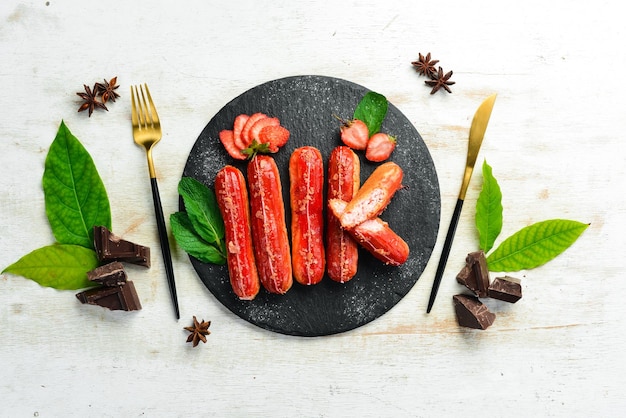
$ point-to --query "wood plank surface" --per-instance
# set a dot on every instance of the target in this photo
(555, 142)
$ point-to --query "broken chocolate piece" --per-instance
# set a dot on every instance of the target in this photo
(467, 278)
(478, 264)
(115, 298)
(110, 247)
(506, 288)
(475, 275)
(472, 313)
(111, 274)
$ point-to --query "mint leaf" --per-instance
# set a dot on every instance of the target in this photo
(372, 110)
(200, 230)
(61, 266)
(202, 210)
(488, 210)
(191, 242)
(535, 245)
(75, 197)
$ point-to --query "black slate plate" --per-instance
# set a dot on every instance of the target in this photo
(305, 105)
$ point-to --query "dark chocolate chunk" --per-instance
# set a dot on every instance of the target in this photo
(467, 278)
(472, 313)
(110, 247)
(111, 274)
(506, 288)
(475, 275)
(115, 298)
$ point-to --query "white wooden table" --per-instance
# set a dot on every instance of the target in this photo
(555, 142)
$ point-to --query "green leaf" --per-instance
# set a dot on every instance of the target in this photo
(202, 210)
(488, 210)
(535, 245)
(372, 110)
(192, 243)
(75, 197)
(61, 266)
(257, 148)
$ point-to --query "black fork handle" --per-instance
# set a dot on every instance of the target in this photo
(165, 244)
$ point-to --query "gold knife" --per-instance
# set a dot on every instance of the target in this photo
(476, 135)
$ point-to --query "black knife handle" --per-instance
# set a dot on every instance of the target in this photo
(445, 253)
(165, 245)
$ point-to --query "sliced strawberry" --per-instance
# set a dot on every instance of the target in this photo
(259, 125)
(379, 147)
(275, 136)
(240, 122)
(246, 139)
(354, 133)
(227, 139)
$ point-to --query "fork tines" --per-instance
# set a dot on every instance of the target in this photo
(141, 114)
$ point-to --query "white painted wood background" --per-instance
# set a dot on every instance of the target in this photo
(555, 142)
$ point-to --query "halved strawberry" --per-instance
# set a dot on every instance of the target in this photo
(246, 138)
(354, 133)
(379, 147)
(259, 125)
(275, 136)
(228, 141)
(240, 122)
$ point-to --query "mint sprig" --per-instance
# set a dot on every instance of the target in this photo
(202, 209)
(199, 231)
(372, 110)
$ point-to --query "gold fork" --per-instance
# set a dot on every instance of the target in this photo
(147, 133)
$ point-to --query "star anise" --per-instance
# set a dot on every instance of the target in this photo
(198, 331)
(425, 66)
(107, 90)
(91, 101)
(440, 80)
